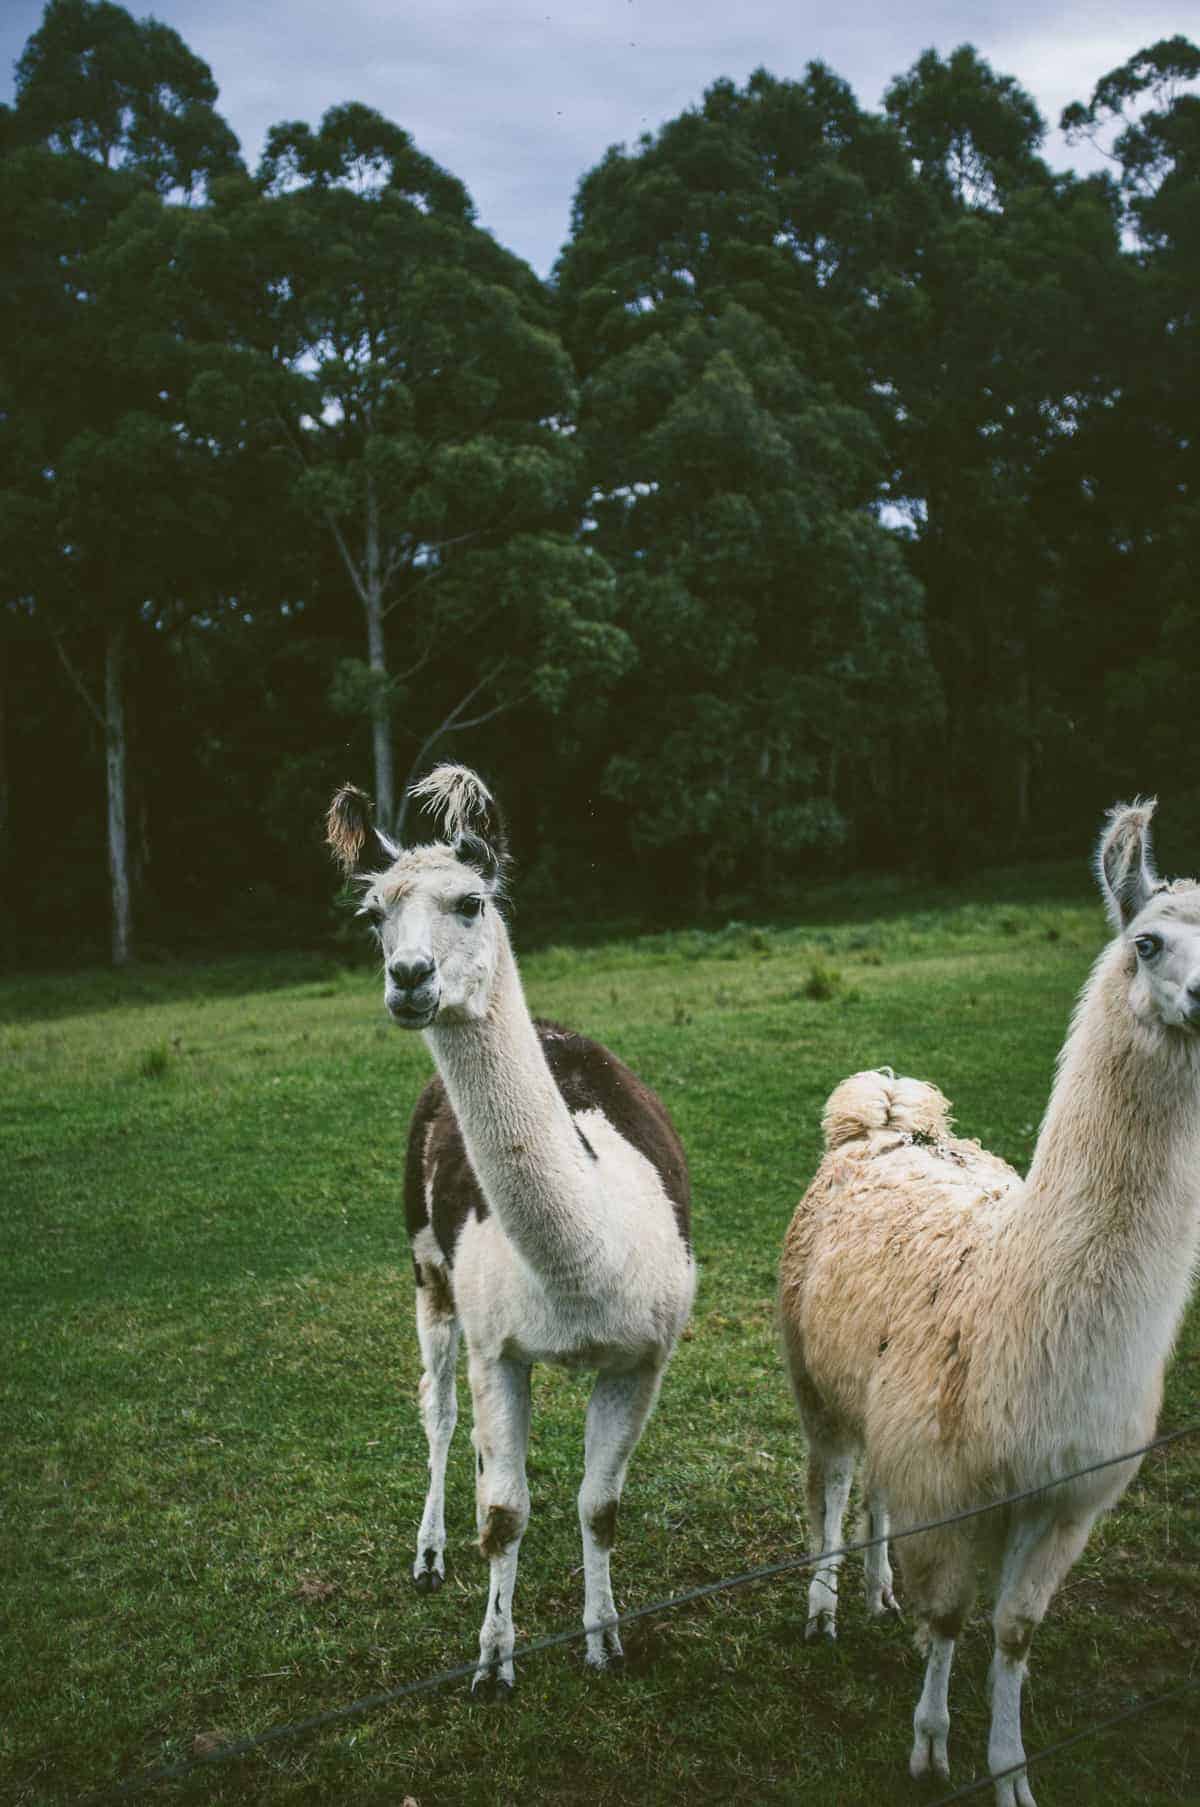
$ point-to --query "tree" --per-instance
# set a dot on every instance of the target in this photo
(1157, 149)
(992, 340)
(126, 93)
(425, 403)
(784, 198)
(108, 502)
(1138, 453)
(713, 290)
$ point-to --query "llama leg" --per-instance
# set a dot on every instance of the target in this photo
(616, 1416)
(931, 1721)
(500, 1392)
(939, 1575)
(830, 1472)
(877, 1568)
(437, 1332)
(1039, 1554)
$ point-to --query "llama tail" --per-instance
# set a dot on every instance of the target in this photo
(867, 1102)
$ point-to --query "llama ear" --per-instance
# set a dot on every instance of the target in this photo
(352, 834)
(468, 817)
(1124, 861)
(473, 850)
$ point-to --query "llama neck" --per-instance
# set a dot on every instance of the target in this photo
(536, 1173)
(1109, 1224)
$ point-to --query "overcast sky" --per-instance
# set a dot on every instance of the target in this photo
(518, 98)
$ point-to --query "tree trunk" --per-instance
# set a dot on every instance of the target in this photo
(114, 762)
(7, 863)
(381, 726)
(1024, 772)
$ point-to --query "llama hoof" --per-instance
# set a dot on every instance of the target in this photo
(821, 1629)
(886, 1607)
(603, 1654)
(490, 1689)
(929, 1761)
(427, 1580)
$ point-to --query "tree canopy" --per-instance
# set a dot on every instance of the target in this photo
(425, 418)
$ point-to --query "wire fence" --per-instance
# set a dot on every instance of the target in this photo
(372, 1703)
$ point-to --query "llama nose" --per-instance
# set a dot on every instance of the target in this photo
(410, 975)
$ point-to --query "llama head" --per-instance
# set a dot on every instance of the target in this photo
(432, 904)
(1158, 921)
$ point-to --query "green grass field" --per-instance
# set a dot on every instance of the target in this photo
(213, 1468)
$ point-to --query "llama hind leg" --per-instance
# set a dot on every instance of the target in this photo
(939, 1570)
(437, 1332)
(616, 1416)
(931, 1720)
(500, 1393)
(830, 1473)
(1039, 1553)
(876, 1566)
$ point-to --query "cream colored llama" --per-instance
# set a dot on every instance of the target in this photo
(974, 1335)
(546, 1195)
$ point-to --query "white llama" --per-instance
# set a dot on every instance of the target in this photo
(546, 1194)
(977, 1335)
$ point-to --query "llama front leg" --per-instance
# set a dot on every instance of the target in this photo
(437, 1332)
(616, 1416)
(500, 1392)
(1039, 1554)
(830, 1472)
(876, 1566)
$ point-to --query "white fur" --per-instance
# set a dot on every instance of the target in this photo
(977, 1335)
(638, 1294)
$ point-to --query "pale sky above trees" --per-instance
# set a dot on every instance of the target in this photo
(518, 98)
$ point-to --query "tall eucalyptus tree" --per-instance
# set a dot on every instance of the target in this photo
(717, 291)
(427, 415)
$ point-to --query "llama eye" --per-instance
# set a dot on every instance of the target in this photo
(1148, 945)
(469, 906)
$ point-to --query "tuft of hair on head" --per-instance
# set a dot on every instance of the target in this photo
(458, 796)
(467, 815)
(1125, 860)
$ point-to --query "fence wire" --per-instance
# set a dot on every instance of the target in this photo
(372, 1703)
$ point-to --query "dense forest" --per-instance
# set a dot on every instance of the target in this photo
(833, 507)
